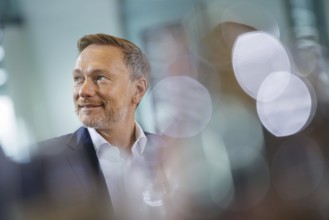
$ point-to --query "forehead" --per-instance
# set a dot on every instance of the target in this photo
(101, 56)
(101, 51)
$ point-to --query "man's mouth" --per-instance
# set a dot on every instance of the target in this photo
(90, 106)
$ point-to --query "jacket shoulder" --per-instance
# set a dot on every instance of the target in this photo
(54, 145)
(61, 143)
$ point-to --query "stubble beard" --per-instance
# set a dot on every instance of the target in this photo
(108, 120)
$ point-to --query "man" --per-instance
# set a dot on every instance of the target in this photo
(110, 79)
(87, 167)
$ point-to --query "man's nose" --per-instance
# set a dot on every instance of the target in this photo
(87, 89)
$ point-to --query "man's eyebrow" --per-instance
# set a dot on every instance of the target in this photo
(93, 72)
(102, 72)
(75, 71)
(98, 71)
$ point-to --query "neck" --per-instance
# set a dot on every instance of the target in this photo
(121, 135)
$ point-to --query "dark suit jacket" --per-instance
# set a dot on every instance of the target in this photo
(66, 181)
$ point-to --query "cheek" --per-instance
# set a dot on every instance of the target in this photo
(75, 90)
(75, 95)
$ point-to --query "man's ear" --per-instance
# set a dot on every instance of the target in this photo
(140, 89)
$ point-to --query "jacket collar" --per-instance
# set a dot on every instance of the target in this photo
(81, 142)
(80, 139)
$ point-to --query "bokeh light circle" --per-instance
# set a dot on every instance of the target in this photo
(256, 55)
(273, 86)
(184, 106)
(289, 111)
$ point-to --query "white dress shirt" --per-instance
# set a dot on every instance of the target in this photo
(114, 163)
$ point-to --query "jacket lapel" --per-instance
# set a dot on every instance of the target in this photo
(82, 144)
(84, 163)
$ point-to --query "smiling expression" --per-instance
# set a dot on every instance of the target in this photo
(103, 89)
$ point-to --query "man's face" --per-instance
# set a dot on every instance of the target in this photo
(103, 90)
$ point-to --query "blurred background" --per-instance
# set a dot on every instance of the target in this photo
(38, 46)
(246, 101)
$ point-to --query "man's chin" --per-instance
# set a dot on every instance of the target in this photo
(97, 124)
(88, 122)
(92, 125)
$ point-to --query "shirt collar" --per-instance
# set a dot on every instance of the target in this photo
(140, 143)
(97, 139)
(137, 148)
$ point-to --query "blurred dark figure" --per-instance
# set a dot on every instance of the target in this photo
(9, 186)
(64, 185)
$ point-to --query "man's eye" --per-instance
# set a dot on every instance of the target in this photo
(100, 78)
(77, 79)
